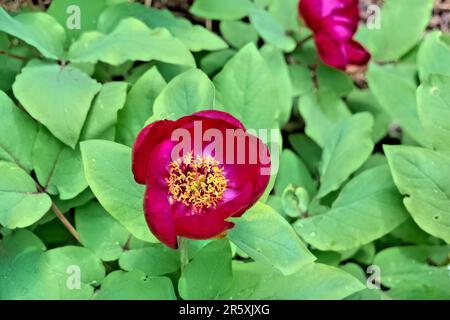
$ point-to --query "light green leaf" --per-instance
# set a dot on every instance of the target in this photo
(130, 40)
(333, 79)
(246, 90)
(209, 272)
(135, 285)
(301, 79)
(434, 55)
(238, 33)
(285, 12)
(139, 106)
(322, 111)
(433, 106)
(214, 61)
(88, 15)
(155, 260)
(60, 100)
(267, 237)
(364, 100)
(107, 166)
(21, 204)
(195, 37)
(27, 27)
(347, 147)
(293, 171)
(100, 232)
(17, 133)
(398, 98)
(405, 30)
(271, 30)
(280, 76)
(187, 93)
(29, 272)
(367, 208)
(421, 175)
(102, 118)
(421, 266)
(253, 281)
(221, 9)
(59, 169)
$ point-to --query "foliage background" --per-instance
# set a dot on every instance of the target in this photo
(363, 188)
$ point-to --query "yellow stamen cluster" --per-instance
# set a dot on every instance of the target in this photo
(199, 181)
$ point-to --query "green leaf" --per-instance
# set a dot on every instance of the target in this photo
(398, 98)
(347, 147)
(364, 100)
(209, 272)
(267, 237)
(155, 260)
(293, 171)
(17, 133)
(405, 30)
(421, 266)
(221, 9)
(238, 33)
(22, 205)
(246, 90)
(280, 75)
(410, 232)
(29, 272)
(253, 281)
(26, 27)
(100, 232)
(334, 80)
(434, 55)
(270, 30)
(195, 37)
(421, 176)
(307, 150)
(102, 118)
(301, 79)
(135, 285)
(9, 67)
(139, 106)
(130, 40)
(433, 106)
(60, 100)
(285, 12)
(187, 93)
(367, 208)
(107, 166)
(89, 12)
(214, 61)
(322, 111)
(60, 168)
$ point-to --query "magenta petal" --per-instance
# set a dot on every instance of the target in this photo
(158, 214)
(220, 115)
(357, 54)
(331, 51)
(144, 145)
(201, 226)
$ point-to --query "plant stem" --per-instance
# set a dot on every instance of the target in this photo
(12, 55)
(61, 217)
(184, 254)
(306, 39)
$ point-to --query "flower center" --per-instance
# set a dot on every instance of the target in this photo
(199, 181)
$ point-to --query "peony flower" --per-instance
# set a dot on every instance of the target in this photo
(199, 171)
(334, 23)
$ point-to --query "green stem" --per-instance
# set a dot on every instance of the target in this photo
(184, 255)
